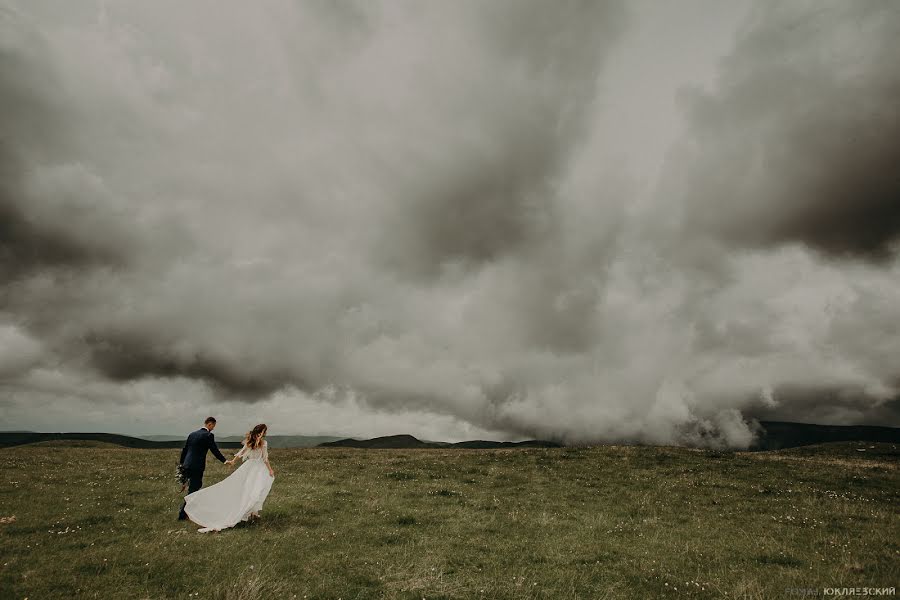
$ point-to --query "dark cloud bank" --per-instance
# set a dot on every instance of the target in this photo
(416, 206)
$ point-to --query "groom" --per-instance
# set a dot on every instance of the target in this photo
(193, 457)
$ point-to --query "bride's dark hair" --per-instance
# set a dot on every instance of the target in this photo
(253, 439)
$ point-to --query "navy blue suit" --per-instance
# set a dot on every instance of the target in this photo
(193, 459)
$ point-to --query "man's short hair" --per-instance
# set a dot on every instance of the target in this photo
(209, 420)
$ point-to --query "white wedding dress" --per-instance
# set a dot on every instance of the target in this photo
(233, 499)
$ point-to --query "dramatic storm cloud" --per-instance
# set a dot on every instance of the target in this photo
(585, 221)
(801, 140)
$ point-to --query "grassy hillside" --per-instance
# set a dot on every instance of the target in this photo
(604, 522)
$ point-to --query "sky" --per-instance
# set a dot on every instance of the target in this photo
(580, 221)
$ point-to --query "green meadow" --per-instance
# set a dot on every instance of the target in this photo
(98, 521)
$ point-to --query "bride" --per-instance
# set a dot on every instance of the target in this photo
(239, 496)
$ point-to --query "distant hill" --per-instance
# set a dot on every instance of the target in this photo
(275, 441)
(389, 441)
(290, 441)
(77, 444)
(408, 441)
(776, 435)
(783, 434)
(492, 444)
(162, 438)
(8, 438)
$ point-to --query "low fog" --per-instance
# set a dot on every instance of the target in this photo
(578, 221)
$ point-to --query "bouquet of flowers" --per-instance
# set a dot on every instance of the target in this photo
(181, 476)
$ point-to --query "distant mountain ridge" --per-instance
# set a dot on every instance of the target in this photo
(408, 441)
(275, 441)
(783, 434)
(8, 438)
(775, 435)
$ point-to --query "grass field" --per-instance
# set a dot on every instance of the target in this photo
(95, 521)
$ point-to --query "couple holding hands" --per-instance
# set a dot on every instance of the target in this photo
(238, 497)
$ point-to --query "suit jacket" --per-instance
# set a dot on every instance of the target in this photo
(193, 455)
